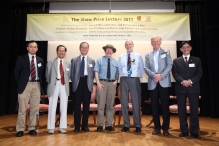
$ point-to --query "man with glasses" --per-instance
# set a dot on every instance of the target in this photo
(57, 76)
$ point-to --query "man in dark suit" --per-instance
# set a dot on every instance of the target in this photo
(82, 76)
(28, 70)
(187, 72)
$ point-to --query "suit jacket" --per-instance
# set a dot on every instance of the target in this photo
(22, 72)
(181, 72)
(51, 75)
(164, 68)
(75, 72)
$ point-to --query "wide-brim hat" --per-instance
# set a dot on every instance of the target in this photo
(109, 46)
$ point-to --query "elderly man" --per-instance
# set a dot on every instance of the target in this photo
(106, 75)
(187, 72)
(131, 68)
(82, 76)
(158, 65)
(28, 70)
(57, 76)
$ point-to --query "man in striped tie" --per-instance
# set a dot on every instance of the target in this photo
(28, 70)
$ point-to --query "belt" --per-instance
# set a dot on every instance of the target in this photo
(34, 80)
(58, 79)
(107, 80)
(128, 77)
(84, 76)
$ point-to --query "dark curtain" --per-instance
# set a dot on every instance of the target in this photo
(18, 47)
(206, 51)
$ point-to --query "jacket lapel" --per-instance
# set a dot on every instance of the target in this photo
(55, 64)
(182, 61)
(28, 61)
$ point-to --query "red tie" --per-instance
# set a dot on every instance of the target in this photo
(186, 60)
(32, 69)
(61, 73)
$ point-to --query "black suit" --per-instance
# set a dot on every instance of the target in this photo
(22, 71)
(28, 91)
(192, 71)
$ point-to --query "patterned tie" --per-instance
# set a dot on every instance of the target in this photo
(186, 60)
(82, 68)
(108, 69)
(129, 69)
(129, 61)
(61, 73)
(32, 69)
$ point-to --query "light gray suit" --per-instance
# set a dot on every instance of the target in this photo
(56, 89)
(164, 68)
(159, 91)
(51, 75)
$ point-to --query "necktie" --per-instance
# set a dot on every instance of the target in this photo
(32, 69)
(186, 60)
(82, 68)
(129, 61)
(108, 69)
(129, 70)
(61, 73)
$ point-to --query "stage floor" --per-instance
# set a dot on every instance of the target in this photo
(209, 131)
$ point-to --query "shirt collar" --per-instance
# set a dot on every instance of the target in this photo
(156, 51)
(186, 56)
(84, 57)
(30, 56)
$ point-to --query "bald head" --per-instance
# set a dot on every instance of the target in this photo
(129, 46)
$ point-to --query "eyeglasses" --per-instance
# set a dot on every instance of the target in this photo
(187, 47)
(61, 51)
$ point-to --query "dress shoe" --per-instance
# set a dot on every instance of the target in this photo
(62, 130)
(51, 131)
(76, 130)
(166, 133)
(195, 135)
(138, 130)
(110, 128)
(32, 132)
(19, 133)
(85, 129)
(124, 129)
(183, 134)
(156, 131)
(100, 128)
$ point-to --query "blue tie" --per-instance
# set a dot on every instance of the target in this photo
(82, 68)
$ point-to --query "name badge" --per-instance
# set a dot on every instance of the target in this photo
(39, 65)
(163, 56)
(192, 65)
(90, 65)
(67, 69)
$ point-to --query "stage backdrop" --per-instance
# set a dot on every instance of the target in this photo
(140, 26)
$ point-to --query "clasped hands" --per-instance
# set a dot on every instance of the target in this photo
(157, 77)
(186, 83)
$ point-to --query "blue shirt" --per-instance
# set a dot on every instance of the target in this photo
(156, 55)
(101, 68)
(137, 65)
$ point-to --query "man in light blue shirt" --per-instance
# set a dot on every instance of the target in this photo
(131, 68)
(106, 75)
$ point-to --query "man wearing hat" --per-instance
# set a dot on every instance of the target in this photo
(106, 75)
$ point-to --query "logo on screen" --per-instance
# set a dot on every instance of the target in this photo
(139, 18)
(148, 19)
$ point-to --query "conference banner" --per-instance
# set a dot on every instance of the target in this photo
(135, 26)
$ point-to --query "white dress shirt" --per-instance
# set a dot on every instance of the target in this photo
(85, 64)
(187, 57)
(58, 69)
